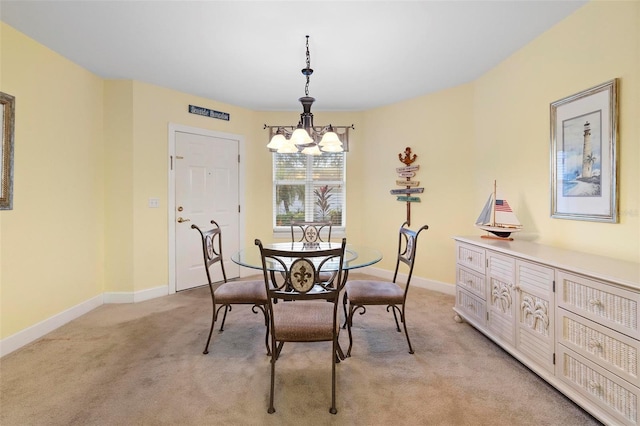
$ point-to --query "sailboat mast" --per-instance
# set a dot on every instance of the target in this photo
(493, 206)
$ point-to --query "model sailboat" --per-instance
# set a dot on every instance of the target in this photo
(498, 218)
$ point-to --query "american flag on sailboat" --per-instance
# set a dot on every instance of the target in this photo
(502, 206)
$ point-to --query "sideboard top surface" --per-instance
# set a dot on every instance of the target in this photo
(601, 267)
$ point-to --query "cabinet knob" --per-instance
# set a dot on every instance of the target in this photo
(593, 343)
(594, 385)
(595, 302)
(470, 259)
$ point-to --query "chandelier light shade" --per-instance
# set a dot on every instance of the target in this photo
(277, 141)
(288, 148)
(330, 138)
(305, 137)
(313, 150)
(301, 137)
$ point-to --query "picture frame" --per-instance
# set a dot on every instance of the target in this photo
(584, 162)
(7, 123)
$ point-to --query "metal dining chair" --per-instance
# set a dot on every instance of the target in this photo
(307, 308)
(361, 293)
(229, 293)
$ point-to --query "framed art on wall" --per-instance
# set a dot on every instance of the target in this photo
(583, 155)
(7, 109)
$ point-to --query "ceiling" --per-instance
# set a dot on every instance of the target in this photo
(365, 54)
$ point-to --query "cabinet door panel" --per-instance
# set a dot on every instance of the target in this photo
(535, 307)
(500, 300)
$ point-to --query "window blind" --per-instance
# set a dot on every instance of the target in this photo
(307, 187)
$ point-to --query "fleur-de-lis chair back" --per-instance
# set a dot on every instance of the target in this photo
(303, 307)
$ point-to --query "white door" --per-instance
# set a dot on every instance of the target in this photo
(207, 187)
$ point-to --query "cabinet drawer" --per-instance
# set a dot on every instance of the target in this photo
(612, 350)
(471, 307)
(470, 257)
(471, 281)
(614, 395)
(610, 306)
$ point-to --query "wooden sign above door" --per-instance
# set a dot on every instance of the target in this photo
(209, 112)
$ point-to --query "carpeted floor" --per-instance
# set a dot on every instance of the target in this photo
(142, 364)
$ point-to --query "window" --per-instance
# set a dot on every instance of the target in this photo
(307, 187)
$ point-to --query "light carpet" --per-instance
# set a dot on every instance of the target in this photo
(142, 364)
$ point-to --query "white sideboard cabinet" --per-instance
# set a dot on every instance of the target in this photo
(571, 317)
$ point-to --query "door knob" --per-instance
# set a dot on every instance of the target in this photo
(180, 220)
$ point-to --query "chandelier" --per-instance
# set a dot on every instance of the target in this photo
(305, 137)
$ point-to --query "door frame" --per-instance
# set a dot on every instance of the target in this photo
(171, 194)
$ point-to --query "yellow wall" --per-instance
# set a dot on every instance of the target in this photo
(52, 240)
(90, 153)
(512, 142)
(497, 127)
(437, 130)
(118, 163)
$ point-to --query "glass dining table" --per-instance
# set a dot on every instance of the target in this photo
(355, 256)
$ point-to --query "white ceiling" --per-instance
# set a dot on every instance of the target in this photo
(364, 54)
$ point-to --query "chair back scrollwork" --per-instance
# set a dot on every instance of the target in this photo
(311, 232)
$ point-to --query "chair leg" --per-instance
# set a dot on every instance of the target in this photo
(274, 357)
(395, 317)
(226, 309)
(278, 349)
(214, 315)
(352, 310)
(333, 409)
(275, 353)
(406, 333)
(265, 312)
(213, 320)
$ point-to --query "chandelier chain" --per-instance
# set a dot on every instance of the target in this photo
(307, 71)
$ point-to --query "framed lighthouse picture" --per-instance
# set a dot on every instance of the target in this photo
(583, 155)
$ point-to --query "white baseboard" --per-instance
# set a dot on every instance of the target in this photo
(434, 285)
(38, 330)
(134, 297)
